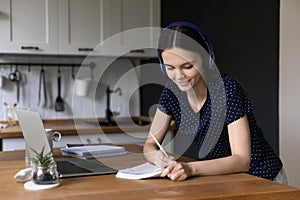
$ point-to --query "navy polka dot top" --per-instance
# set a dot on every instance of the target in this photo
(204, 134)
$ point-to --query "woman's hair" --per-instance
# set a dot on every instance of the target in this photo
(183, 35)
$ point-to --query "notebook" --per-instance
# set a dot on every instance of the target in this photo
(34, 134)
(93, 151)
(146, 170)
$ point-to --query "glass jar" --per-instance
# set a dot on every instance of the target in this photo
(10, 115)
(44, 175)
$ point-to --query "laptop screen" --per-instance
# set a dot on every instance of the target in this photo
(33, 131)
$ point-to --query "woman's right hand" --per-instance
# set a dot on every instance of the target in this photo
(160, 160)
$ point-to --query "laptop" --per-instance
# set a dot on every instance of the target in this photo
(34, 134)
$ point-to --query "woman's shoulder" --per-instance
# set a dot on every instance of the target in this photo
(230, 83)
(229, 80)
(233, 87)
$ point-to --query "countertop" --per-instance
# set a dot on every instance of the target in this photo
(69, 127)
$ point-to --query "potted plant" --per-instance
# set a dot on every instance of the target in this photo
(44, 169)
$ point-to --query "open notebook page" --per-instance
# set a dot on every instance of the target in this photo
(142, 171)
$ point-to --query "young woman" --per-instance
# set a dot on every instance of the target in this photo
(214, 118)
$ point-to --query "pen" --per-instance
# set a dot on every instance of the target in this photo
(160, 147)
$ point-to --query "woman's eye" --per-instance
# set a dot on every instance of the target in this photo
(188, 67)
(169, 68)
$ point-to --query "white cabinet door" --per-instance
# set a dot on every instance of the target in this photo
(28, 26)
(140, 13)
(82, 25)
(127, 16)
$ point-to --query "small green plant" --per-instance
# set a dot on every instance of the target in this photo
(41, 159)
(44, 169)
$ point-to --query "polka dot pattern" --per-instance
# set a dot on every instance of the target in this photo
(194, 128)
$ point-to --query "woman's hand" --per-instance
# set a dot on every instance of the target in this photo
(160, 160)
(177, 171)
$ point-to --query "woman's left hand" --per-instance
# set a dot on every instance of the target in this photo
(177, 171)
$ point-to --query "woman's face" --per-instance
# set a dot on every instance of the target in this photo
(183, 67)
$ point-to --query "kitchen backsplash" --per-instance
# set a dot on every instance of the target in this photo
(120, 73)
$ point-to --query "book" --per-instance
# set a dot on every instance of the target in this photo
(93, 151)
(146, 170)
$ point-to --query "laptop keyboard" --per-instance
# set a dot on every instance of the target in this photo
(65, 167)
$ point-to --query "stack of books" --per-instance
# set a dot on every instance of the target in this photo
(93, 151)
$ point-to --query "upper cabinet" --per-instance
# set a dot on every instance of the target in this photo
(74, 27)
(28, 26)
(82, 25)
(130, 17)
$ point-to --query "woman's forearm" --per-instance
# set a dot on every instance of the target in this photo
(150, 150)
(226, 165)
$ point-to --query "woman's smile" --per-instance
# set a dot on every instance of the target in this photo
(185, 83)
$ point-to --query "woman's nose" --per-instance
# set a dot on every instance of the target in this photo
(179, 74)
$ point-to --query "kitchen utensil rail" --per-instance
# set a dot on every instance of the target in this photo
(49, 64)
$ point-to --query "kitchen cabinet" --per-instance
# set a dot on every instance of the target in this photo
(80, 32)
(84, 131)
(75, 27)
(130, 15)
(28, 26)
(11, 144)
(82, 25)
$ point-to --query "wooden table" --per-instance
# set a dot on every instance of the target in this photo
(234, 186)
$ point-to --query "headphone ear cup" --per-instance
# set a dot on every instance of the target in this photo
(163, 68)
(208, 62)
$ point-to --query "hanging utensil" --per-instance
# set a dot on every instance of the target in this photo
(73, 72)
(1, 78)
(18, 78)
(59, 103)
(12, 75)
(42, 84)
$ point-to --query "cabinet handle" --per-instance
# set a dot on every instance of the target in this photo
(88, 141)
(30, 48)
(137, 51)
(85, 49)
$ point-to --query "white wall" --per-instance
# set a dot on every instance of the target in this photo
(30, 81)
(289, 89)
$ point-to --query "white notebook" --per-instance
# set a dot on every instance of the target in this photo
(93, 151)
(142, 171)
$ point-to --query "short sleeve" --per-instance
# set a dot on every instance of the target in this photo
(164, 101)
(169, 99)
(238, 104)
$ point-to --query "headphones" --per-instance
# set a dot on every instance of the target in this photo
(208, 62)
